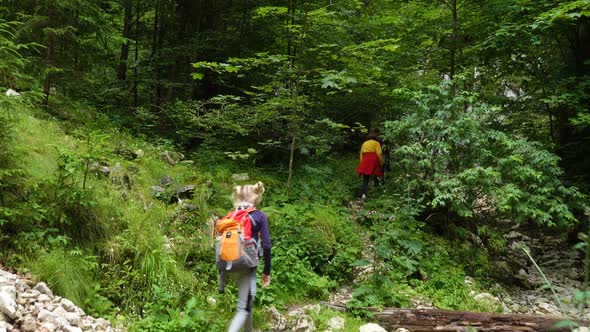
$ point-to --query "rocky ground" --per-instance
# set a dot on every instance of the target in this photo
(26, 306)
(561, 264)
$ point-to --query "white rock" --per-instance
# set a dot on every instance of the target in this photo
(102, 324)
(581, 329)
(74, 319)
(68, 305)
(486, 297)
(278, 321)
(372, 327)
(336, 323)
(3, 326)
(49, 317)
(12, 93)
(8, 304)
(30, 294)
(240, 177)
(47, 327)
(61, 313)
(28, 324)
(315, 308)
(548, 309)
(43, 289)
(304, 323)
(72, 329)
(43, 298)
(401, 329)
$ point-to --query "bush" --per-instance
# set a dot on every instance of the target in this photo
(451, 153)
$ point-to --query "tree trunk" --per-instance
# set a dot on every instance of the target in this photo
(430, 320)
(291, 158)
(122, 71)
(455, 37)
(47, 82)
(155, 56)
(135, 69)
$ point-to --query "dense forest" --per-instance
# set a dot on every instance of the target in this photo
(124, 125)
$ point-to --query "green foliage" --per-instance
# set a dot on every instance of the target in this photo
(167, 315)
(448, 150)
(72, 274)
(312, 248)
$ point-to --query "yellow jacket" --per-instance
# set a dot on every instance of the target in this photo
(372, 146)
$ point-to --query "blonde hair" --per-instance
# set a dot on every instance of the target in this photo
(250, 194)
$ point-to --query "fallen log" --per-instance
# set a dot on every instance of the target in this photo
(429, 320)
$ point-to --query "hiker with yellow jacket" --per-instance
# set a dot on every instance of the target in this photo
(371, 160)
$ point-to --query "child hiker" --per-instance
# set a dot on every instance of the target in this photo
(253, 225)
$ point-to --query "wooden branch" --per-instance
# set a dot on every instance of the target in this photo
(430, 320)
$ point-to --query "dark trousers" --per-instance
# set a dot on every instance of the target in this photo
(365, 184)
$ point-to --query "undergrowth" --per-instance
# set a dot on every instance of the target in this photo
(100, 216)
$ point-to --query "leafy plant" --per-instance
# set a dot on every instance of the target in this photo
(448, 149)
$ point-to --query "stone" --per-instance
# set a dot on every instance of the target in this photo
(72, 329)
(126, 153)
(372, 327)
(486, 297)
(30, 294)
(3, 327)
(73, 318)
(28, 324)
(157, 190)
(166, 156)
(166, 180)
(184, 192)
(102, 324)
(581, 329)
(304, 323)
(278, 321)
(401, 329)
(240, 177)
(8, 304)
(47, 327)
(43, 289)
(336, 323)
(513, 235)
(548, 309)
(52, 318)
(68, 305)
(11, 93)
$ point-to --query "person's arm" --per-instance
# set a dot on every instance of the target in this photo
(379, 152)
(266, 249)
(361, 155)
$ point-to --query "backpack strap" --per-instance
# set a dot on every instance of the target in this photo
(254, 223)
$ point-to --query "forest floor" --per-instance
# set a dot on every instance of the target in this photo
(526, 290)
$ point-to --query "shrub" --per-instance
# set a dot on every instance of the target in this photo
(447, 148)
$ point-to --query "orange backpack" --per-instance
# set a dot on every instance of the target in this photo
(235, 248)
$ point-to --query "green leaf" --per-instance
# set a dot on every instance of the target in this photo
(361, 262)
(565, 323)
